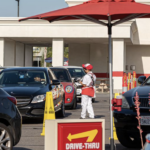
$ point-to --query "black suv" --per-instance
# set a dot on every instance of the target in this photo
(10, 121)
(126, 122)
(29, 86)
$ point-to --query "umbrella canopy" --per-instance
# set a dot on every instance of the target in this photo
(49, 59)
(98, 11)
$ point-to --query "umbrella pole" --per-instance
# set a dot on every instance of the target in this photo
(110, 82)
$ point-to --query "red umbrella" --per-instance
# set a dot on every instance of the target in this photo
(96, 10)
(114, 11)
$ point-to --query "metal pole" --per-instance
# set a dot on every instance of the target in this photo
(18, 6)
(45, 54)
(110, 82)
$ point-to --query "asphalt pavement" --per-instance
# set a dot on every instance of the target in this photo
(31, 129)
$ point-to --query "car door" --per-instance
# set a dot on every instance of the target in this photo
(73, 82)
(57, 91)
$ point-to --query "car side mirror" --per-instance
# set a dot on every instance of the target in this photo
(55, 82)
(73, 80)
(78, 79)
(141, 79)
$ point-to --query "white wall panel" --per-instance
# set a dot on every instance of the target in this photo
(99, 57)
(28, 55)
(2, 45)
(57, 52)
(79, 54)
(9, 58)
(20, 54)
(140, 57)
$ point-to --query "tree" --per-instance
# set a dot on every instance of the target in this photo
(49, 54)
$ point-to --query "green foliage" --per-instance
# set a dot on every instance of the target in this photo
(66, 52)
(49, 54)
(42, 61)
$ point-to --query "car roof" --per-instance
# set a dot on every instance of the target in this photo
(66, 67)
(25, 68)
(58, 68)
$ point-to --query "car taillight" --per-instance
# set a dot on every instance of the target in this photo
(13, 100)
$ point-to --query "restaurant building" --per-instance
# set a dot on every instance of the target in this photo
(87, 42)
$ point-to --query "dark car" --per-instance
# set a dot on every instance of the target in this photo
(64, 77)
(10, 121)
(29, 86)
(126, 122)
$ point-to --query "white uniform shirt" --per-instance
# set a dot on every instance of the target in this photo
(87, 80)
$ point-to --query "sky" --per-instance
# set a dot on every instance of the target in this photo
(8, 8)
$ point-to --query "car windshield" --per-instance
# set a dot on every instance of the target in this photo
(62, 75)
(147, 82)
(22, 78)
(76, 72)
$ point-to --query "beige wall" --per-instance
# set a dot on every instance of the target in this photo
(20, 54)
(99, 57)
(9, 57)
(79, 54)
(96, 54)
(2, 46)
(57, 52)
(140, 57)
(28, 55)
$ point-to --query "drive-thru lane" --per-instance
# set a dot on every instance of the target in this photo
(31, 129)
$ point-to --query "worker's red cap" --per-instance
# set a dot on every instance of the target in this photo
(87, 66)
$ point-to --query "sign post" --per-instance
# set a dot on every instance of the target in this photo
(75, 134)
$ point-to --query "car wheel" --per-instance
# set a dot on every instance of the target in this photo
(93, 100)
(127, 139)
(6, 140)
(74, 106)
(61, 113)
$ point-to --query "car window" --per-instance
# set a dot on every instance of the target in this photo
(49, 75)
(52, 74)
(147, 82)
(23, 78)
(62, 75)
(76, 72)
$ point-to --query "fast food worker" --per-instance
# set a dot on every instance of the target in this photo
(88, 91)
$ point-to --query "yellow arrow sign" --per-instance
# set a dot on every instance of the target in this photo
(90, 134)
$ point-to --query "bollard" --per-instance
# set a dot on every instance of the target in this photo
(147, 143)
(118, 109)
(134, 79)
(129, 81)
(124, 83)
(117, 102)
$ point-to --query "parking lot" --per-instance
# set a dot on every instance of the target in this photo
(31, 129)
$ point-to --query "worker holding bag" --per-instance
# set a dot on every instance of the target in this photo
(87, 91)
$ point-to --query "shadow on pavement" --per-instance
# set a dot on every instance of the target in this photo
(95, 102)
(32, 121)
(99, 116)
(107, 147)
(66, 115)
(119, 147)
(20, 148)
(105, 101)
(78, 107)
